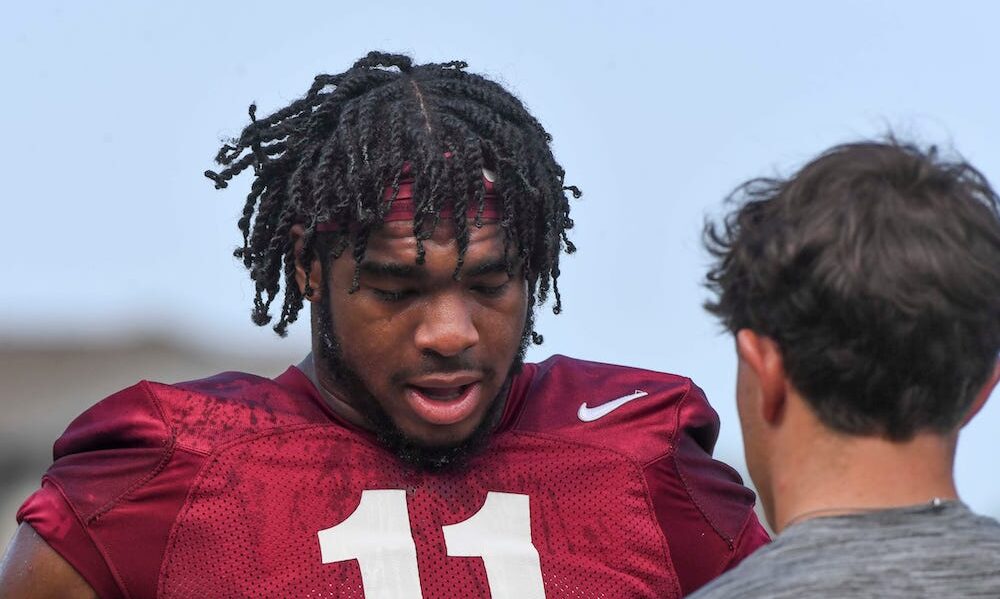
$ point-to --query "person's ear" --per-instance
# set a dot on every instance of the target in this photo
(983, 395)
(762, 355)
(313, 276)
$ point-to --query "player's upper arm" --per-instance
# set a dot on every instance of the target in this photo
(33, 570)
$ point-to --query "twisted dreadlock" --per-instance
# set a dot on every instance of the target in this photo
(328, 157)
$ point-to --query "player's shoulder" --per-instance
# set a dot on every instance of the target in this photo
(216, 410)
(559, 376)
(638, 411)
(196, 415)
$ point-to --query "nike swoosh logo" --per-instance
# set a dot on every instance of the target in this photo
(588, 414)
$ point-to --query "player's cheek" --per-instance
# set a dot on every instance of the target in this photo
(501, 326)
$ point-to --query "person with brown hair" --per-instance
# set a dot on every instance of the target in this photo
(864, 297)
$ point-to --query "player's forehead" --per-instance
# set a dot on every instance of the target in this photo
(396, 241)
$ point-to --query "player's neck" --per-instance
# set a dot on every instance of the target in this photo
(841, 474)
(327, 389)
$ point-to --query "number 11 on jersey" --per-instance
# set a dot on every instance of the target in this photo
(378, 535)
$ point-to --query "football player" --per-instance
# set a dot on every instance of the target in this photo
(419, 211)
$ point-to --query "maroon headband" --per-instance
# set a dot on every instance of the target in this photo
(403, 207)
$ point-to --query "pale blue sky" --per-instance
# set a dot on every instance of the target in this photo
(112, 110)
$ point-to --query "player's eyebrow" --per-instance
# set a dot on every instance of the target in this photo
(393, 269)
(488, 267)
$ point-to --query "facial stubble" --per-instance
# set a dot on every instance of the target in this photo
(423, 456)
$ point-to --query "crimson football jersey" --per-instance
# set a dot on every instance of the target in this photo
(598, 482)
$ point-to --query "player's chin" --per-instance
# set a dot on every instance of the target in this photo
(443, 437)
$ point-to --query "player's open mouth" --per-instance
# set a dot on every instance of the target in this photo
(442, 393)
(441, 403)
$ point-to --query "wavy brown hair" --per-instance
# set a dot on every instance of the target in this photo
(876, 269)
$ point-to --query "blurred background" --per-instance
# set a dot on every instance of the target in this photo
(118, 252)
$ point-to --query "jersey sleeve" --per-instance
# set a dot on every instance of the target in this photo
(701, 503)
(115, 468)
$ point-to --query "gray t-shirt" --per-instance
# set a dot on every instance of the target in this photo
(920, 551)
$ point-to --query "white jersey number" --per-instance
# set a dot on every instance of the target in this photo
(378, 535)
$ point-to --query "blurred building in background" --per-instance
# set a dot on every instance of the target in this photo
(44, 387)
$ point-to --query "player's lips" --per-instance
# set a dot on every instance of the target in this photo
(444, 399)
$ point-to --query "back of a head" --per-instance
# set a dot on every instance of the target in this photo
(876, 269)
(325, 160)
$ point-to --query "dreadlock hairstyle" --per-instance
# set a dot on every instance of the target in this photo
(329, 157)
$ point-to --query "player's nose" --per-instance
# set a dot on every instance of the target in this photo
(447, 327)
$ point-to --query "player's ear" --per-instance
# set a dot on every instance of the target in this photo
(983, 395)
(762, 355)
(314, 274)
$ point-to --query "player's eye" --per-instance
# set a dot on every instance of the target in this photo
(491, 290)
(392, 295)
